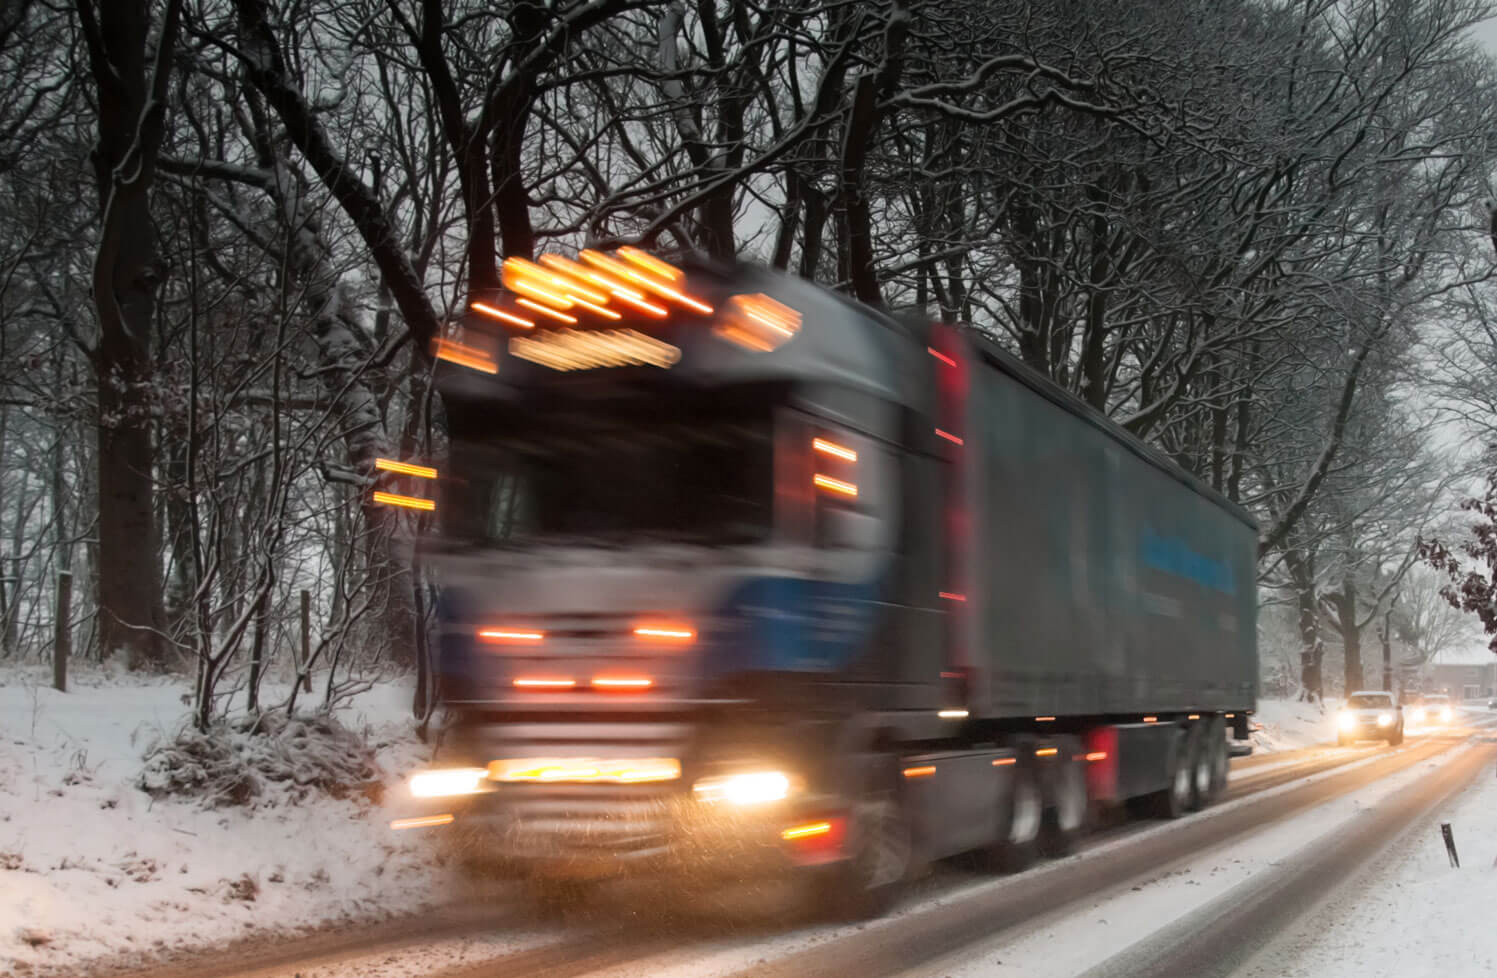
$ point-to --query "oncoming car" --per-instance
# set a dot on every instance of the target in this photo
(1436, 708)
(1369, 715)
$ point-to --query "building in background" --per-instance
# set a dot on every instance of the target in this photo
(1466, 681)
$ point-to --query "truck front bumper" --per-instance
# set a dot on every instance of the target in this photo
(592, 832)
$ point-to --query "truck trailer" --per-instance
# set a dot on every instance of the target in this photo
(738, 575)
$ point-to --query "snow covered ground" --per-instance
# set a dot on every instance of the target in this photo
(1292, 725)
(1412, 914)
(91, 866)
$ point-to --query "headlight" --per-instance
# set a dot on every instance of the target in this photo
(452, 781)
(1385, 719)
(1446, 714)
(751, 788)
(1346, 721)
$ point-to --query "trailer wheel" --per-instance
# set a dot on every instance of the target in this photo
(1216, 742)
(1065, 802)
(1174, 801)
(881, 838)
(1019, 823)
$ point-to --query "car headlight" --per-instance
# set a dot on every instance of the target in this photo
(449, 781)
(1446, 714)
(1346, 721)
(748, 788)
(1385, 719)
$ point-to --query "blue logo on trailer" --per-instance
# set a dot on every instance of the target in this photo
(1173, 556)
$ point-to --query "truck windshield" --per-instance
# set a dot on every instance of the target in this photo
(612, 479)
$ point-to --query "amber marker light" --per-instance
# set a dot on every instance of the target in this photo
(809, 830)
(544, 682)
(833, 449)
(464, 356)
(622, 682)
(560, 317)
(837, 486)
(1097, 755)
(920, 771)
(421, 822)
(494, 312)
(1005, 761)
(405, 468)
(650, 263)
(405, 502)
(662, 631)
(523, 636)
(1047, 752)
(949, 437)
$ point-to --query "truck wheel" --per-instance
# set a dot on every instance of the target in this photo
(881, 840)
(1174, 801)
(1216, 740)
(1198, 756)
(1019, 824)
(1065, 801)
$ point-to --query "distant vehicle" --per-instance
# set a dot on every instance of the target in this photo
(1437, 709)
(1492, 704)
(1370, 715)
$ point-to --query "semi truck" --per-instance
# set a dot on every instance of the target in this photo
(738, 575)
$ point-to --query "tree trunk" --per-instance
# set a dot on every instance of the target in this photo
(1351, 635)
(127, 273)
(1312, 649)
(1385, 634)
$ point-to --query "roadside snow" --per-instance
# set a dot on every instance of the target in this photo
(1412, 915)
(1081, 937)
(90, 866)
(1292, 725)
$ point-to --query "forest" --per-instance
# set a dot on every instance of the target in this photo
(1257, 233)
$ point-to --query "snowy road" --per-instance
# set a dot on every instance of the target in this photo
(1195, 897)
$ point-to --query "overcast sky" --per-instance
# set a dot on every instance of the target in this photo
(1486, 32)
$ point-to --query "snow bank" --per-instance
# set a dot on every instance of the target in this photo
(1292, 725)
(1414, 915)
(92, 866)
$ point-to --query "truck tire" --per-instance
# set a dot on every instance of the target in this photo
(1020, 822)
(1065, 800)
(1198, 756)
(1216, 741)
(1173, 801)
(881, 840)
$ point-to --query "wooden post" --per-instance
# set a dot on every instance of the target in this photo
(306, 639)
(62, 647)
